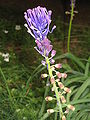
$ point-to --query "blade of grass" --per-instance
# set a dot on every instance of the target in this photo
(87, 67)
(72, 57)
(81, 89)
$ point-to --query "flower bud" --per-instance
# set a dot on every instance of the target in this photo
(52, 80)
(48, 84)
(63, 99)
(63, 117)
(67, 12)
(53, 53)
(48, 98)
(67, 90)
(58, 65)
(43, 62)
(57, 80)
(67, 111)
(71, 107)
(60, 85)
(44, 75)
(64, 75)
(50, 111)
(53, 89)
(59, 74)
(52, 61)
(53, 68)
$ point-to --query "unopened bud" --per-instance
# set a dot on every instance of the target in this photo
(53, 89)
(43, 62)
(67, 12)
(59, 74)
(44, 75)
(57, 80)
(53, 53)
(50, 111)
(52, 80)
(60, 85)
(71, 107)
(48, 98)
(52, 61)
(67, 90)
(75, 11)
(63, 99)
(53, 68)
(63, 117)
(48, 84)
(67, 111)
(58, 66)
(64, 75)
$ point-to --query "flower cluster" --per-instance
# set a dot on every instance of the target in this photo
(38, 21)
(62, 90)
(5, 56)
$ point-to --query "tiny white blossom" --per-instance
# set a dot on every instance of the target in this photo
(5, 31)
(6, 57)
(17, 27)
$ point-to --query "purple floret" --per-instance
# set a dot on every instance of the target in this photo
(44, 47)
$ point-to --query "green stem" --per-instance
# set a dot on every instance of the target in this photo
(70, 26)
(56, 114)
(55, 87)
(5, 81)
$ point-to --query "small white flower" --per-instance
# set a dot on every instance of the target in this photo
(5, 31)
(6, 57)
(17, 27)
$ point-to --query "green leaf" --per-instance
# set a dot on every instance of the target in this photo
(73, 80)
(72, 57)
(82, 88)
(87, 67)
(80, 101)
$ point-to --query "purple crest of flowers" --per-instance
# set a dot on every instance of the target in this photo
(38, 21)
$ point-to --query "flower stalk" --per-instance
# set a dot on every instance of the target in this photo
(70, 26)
(55, 87)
